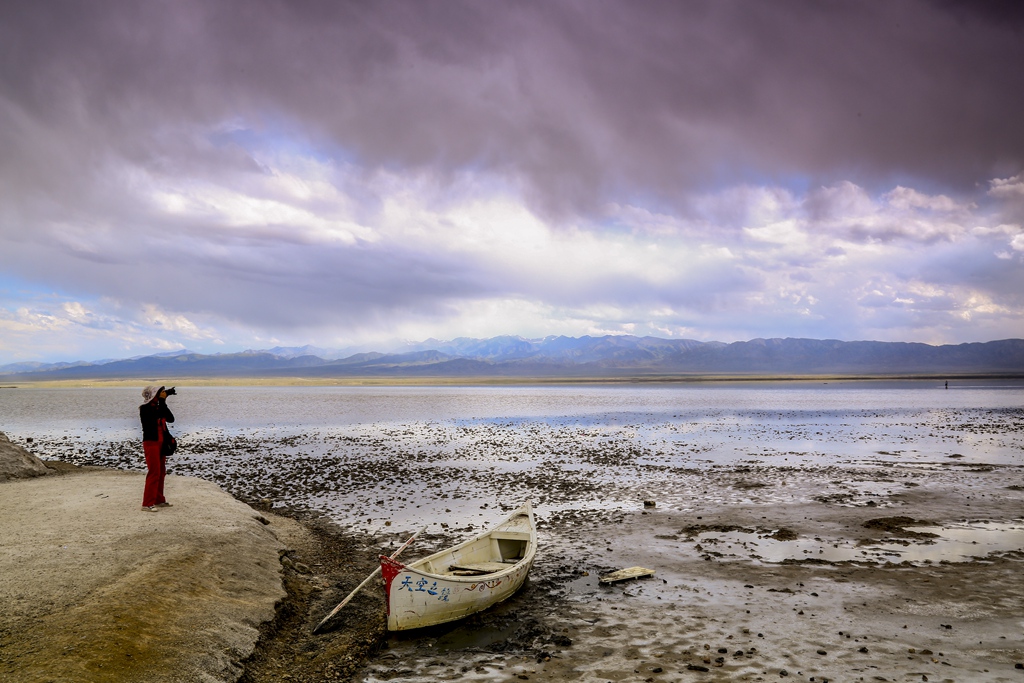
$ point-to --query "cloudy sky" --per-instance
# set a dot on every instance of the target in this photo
(231, 175)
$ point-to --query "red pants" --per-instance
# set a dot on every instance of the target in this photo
(156, 470)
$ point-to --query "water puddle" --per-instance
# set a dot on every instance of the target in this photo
(954, 543)
(476, 637)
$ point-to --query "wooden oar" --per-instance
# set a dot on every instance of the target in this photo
(367, 580)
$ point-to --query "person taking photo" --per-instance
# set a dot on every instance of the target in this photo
(155, 415)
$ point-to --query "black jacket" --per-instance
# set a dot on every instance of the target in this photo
(149, 413)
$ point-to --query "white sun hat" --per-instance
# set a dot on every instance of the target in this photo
(149, 393)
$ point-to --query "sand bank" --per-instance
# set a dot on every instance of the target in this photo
(96, 590)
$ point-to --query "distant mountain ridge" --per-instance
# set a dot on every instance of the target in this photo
(558, 356)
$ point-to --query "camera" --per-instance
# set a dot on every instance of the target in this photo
(170, 392)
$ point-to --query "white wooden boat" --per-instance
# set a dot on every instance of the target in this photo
(461, 580)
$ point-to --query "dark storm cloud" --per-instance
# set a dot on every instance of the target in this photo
(581, 100)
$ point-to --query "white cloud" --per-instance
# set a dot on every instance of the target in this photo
(228, 209)
(154, 317)
(306, 249)
(905, 198)
(1004, 188)
(788, 233)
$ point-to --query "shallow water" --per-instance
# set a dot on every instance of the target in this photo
(953, 543)
(370, 455)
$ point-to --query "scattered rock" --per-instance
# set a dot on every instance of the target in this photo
(626, 574)
(18, 463)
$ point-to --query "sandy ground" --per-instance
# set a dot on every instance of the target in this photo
(93, 589)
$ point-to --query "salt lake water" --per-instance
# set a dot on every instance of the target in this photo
(722, 420)
(407, 451)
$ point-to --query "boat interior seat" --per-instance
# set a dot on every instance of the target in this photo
(509, 549)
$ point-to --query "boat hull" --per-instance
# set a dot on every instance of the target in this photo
(427, 592)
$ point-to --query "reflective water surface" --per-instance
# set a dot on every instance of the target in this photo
(781, 418)
(370, 455)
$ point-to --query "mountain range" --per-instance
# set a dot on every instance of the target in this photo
(612, 356)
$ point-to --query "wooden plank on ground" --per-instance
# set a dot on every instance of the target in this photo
(626, 574)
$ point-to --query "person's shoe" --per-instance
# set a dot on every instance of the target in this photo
(164, 504)
(149, 508)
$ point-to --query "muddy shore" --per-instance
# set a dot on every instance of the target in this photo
(716, 609)
(805, 545)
